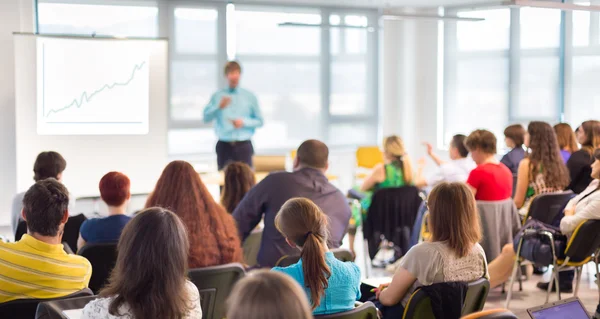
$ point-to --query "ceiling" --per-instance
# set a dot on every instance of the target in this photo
(372, 3)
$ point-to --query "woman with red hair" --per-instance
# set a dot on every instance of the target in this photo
(115, 192)
(212, 231)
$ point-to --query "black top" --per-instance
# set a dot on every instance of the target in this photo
(580, 170)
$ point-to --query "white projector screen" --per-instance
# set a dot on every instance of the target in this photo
(92, 150)
(92, 87)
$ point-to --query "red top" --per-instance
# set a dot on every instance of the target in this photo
(492, 181)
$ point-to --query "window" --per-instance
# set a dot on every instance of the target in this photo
(103, 20)
(540, 28)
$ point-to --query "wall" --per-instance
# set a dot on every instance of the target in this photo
(16, 16)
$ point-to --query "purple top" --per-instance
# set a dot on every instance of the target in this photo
(565, 155)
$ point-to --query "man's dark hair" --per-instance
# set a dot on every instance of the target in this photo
(458, 141)
(516, 133)
(483, 140)
(44, 206)
(313, 153)
(232, 66)
(48, 165)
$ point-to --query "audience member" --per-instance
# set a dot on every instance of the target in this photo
(582, 207)
(542, 170)
(47, 165)
(333, 285)
(267, 295)
(396, 171)
(514, 136)
(150, 277)
(37, 266)
(566, 140)
(588, 135)
(453, 253)
(212, 233)
(115, 192)
(490, 180)
(239, 179)
(455, 170)
(307, 180)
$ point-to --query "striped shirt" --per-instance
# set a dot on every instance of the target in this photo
(31, 268)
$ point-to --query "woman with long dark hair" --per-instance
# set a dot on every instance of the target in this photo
(542, 170)
(588, 135)
(212, 232)
(239, 179)
(149, 278)
(304, 225)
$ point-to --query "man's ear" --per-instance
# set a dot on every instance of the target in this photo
(296, 162)
(65, 217)
(291, 243)
(327, 166)
(23, 214)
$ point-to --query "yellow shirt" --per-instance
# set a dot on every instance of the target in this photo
(30, 268)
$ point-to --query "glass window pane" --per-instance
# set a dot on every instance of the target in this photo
(540, 28)
(538, 94)
(191, 141)
(290, 100)
(196, 30)
(263, 33)
(585, 96)
(581, 28)
(86, 19)
(348, 88)
(491, 34)
(474, 99)
(192, 84)
(351, 134)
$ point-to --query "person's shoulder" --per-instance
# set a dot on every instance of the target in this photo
(291, 270)
(426, 248)
(79, 260)
(191, 289)
(96, 309)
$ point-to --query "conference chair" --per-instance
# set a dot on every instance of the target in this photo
(366, 158)
(71, 231)
(582, 245)
(251, 247)
(341, 254)
(103, 258)
(492, 314)
(547, 208)
(27, 308)
(419, 304)
(54, 309)
(365, 311)
(500, 223)
(215, 284)
(425, 232)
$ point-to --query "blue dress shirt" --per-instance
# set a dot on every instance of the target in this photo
(243, 105)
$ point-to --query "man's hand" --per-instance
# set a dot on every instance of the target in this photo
(239, 123)
(224, 102)
(429, 148)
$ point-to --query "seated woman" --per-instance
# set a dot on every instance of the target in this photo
(542, 170)
(239, 179)
(396, 171)
(490, 180)
(588, 135)
(453, 254)
(150, 277)
(115, 192)
(266, 294)
(582, 207)
(566, 140)
(212, 232)
(514, 137)
(455, 170)
(332, 285)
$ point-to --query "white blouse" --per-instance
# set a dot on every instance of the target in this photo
(98, 309)
(588, 208)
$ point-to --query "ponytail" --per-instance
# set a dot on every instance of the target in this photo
(315, 268)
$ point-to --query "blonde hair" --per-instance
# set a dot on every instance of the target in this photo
(453, 217)
(393, 147)
(303, 223)
(264, 294)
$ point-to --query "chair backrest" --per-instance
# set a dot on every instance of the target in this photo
(341, 254)
(546, 207)
(215, 285)
(364, 311)
(21, 230)
(27, 308)
(584, 242)
(425, 231)
(476, 296)
(492, 314)
(53, 309)
(368, 156)
(500, 222)
(103, 258)
(418, 306)
(71, 234)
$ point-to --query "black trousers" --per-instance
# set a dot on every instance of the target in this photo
(228, 152)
